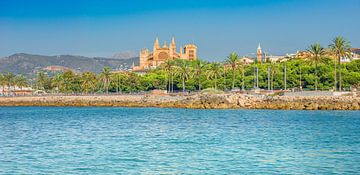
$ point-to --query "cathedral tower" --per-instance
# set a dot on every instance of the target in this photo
(156, 44)
(259, 54)
(172, 46)
(190, 52)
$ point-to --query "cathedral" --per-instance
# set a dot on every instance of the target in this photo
(159, 55)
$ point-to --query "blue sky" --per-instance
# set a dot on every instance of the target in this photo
(105, 27)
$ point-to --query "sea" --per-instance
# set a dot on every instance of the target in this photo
(109, 140)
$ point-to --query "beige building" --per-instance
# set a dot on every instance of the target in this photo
(159, 54)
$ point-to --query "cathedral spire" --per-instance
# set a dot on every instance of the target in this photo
(173, 41)
(259, 47)
(164, 46)
(156, 44)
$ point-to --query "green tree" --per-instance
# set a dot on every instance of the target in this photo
(70, 82)
(214, 71)
(41, 80)
(182, 70)
(341, 49)
(232, 60)
(199, 67)
(9, 79)
(88, 82)
(116, 81)
(317, 52)
(20, 81)
(241, 66)
(168, 67)
(2, 82)
(57, 82)
(105, 77)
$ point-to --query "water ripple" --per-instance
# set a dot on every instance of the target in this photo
(49, 140)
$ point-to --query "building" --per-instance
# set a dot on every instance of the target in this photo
(246, 60)
(259, 54)
(55, 68)
(15, 91)
(159, 54)
(303, 54)
(274, 58)
(355, 53)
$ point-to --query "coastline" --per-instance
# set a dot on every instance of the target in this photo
(196, 101)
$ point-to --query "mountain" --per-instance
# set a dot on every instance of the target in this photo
(29, 64)
(124, 55)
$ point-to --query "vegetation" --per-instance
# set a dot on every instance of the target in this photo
(321, 71)
(341, 49)
(317, 53)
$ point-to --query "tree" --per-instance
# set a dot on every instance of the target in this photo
(88, 82)
(198, 67)
(41, 80)
(317, 52)
(20, 81)
(232, 60)
(242, 70)
(2, 82)
(70, 82)
(9, 81)
(274, 70)
(57, 82)
(168, 67)
(182, 70)
(214, 72)
(341, 49)
(105, 77)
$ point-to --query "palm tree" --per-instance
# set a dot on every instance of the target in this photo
(341, 49)
(242, 66)
(199, 66)
(70, 82)
(9, 81)
(88, 82)
(57, 82)
(317, 52)
(214, 72)
(232, 60)
(168, 67)
(117, 79)
(105, 77)
(41, 80)
(20, 81)
(274, 70)
(2, 83)
(182, 70)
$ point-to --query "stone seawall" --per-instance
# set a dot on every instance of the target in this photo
(198, 101)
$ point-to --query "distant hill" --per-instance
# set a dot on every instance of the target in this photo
(29, 64)
(124, 55)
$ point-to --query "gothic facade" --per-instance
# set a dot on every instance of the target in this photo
(159, 54)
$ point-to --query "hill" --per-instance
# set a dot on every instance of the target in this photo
(29, 64)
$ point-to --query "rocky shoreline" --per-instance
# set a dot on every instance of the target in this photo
(196, 101)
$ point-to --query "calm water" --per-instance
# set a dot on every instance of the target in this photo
(47, 140)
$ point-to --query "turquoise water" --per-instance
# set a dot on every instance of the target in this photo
(56, 140)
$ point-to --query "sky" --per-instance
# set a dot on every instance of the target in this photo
(105, 27)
